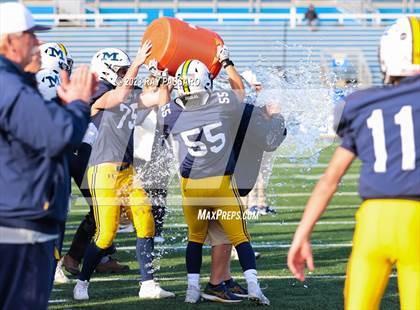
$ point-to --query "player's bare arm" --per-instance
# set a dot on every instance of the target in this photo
(300, 251)
(126, 85)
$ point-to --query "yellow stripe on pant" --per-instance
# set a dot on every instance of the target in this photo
(111, 186)
(387, 233)
(212, 194)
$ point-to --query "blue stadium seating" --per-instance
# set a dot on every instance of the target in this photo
(249, 43)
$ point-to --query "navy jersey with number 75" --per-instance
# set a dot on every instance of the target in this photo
(382, 127)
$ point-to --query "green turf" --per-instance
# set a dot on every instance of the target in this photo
(271, 234)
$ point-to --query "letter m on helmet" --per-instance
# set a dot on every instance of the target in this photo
(56, 53)
(54, 80)
(110, 56)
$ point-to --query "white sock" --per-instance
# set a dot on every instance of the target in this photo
(194, 279)
(251, 276)
(148, 282)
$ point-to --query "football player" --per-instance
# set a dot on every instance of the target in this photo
(55, 58)
(378, 126)
(111, 173)
(53, 61)
(205, 124)
(256, 201)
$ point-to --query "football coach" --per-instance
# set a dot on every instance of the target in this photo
(34, 136)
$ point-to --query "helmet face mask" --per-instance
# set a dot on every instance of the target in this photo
(110, 64)
(399, 51)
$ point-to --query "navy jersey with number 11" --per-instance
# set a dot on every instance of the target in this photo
(382, 127)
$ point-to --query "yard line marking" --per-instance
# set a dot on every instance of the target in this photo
(279, 223)
(349, 176)
(256, 246)
(300, 165)
(176, 199)
(58, 301)
(278, 208)
(268, 277)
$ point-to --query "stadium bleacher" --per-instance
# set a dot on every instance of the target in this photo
(249, 42)
(267, 44)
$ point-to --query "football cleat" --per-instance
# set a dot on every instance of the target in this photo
(193, 294)
(264, 210)
(236, 289)
(111, 266)
(71, 265)
(152, 290)
(256, 295)
(254, 210)
(219, 293)
(80, 291)
(59, 276)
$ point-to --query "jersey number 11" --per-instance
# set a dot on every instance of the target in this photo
(404, 118)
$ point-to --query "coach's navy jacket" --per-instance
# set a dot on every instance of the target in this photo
(34, 135)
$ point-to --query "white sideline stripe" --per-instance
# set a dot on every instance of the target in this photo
(279, 223)
(278, 208)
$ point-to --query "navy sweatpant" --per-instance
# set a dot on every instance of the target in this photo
(26, 272)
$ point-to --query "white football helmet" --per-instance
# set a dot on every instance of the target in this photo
(53, 57)
(193, 76)
(68, 56)
(106, 63)
(399, 52)
(48, 81)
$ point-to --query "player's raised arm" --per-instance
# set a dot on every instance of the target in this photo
(300, 251)
(125, 80)
(235, 79)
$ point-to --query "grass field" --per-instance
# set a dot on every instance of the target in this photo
(288, 191)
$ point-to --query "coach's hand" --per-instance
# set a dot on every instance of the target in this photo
(300, 253)
(81, 86)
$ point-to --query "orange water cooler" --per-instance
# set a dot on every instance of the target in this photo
(175, 41)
